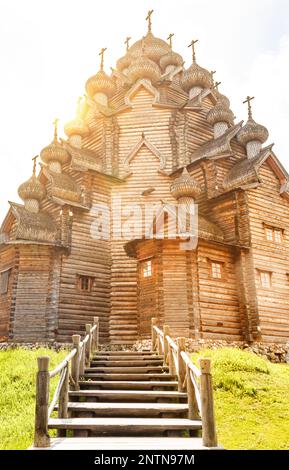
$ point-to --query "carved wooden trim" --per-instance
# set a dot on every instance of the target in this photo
(143, 141)
(145, 84)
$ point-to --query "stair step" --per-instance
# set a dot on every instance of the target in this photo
(138, 395)
(127, 384)
(124, 353)
(126, 363)
(127, 358)
(127, 443)
(125, 425)
(128, 409)
(110, 376)
(127, 370)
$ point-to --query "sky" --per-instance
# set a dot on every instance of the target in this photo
(49, 48)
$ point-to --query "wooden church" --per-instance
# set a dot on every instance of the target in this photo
(151, 133)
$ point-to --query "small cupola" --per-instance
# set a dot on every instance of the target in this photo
(195, 78)
(77, 128)
(32, 191)
(252, 135)
(101, 87)
(220, 116)
(185, 188)
(55, 155)
(143, 67)
(171, 60)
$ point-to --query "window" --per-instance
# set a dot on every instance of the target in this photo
(4, 281)
(216, 270)
(85, 283)
(265, 279)
(147, 268)
(274, 234)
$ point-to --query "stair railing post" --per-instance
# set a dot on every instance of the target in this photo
(207, 404)
(193, 412)
(159, 345)
(63, 401)
(154, 337)
(82, 359)
(166, 330)
(96, 334)
(181, 364)
(88, 344)
(75, 363)
(41, 436)
(172, 367)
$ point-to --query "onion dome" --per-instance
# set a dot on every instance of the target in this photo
(55, 151)
(220, 113)
(32, 189)
(155, 48)
(100, 83)
(76, 127)
(252, 131)
(222, 98)
(124, 62)
(171, 58)
(185, 186)
(196, 76)
(143, 67)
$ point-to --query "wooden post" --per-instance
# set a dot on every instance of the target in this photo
(41, 436)
(154, 323)
(193, 412)
(159, 346)
(172, 367)
(207, 403)
(96, 334)
(82, 359)
(181, 364)
(75, 362)
(63, 401)
(166, 330)
(88, 344)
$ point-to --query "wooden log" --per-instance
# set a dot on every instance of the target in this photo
(181, 365)
(88, 344)
(75, 363)
(207, 404)
(172, 366)
(166, 330)
(41, 436)
(96, 334)
(63, 401)
(193, 411)
(153, 323)
(82, 359)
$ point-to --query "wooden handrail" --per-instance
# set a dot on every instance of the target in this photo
(75, 361)
(196, 382)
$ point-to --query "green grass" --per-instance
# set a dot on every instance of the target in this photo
(17, 394)
(251, 400)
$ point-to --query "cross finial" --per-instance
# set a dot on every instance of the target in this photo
(55, 123)
(127, 43)
(248, 100)
(212, 73)
(170, 37)
(216, 84)
(101, 54)
(34, 164)
(192, 45)
(149, 20)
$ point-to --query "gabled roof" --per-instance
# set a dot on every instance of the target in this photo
(245, 171)
(34, 227)
(143, 141)
(220, 147)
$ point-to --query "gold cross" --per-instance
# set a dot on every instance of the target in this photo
(102, 51)
(248, 100)
(127, 42)
(192, 45)
(55, 123)
(34, 163)
(149, 20)
(170, 39)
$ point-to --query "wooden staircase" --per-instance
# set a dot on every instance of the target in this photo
(121, 399)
